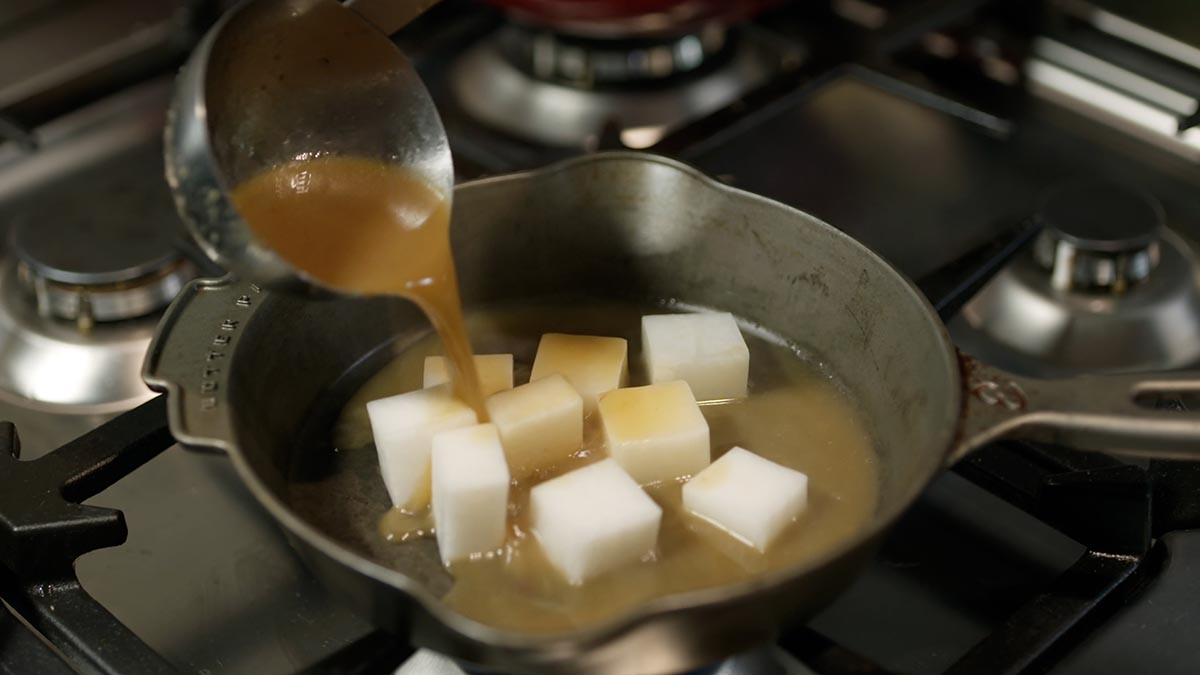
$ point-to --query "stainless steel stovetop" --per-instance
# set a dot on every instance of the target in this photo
(915, 127)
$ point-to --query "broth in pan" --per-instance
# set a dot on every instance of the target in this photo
(795, 415)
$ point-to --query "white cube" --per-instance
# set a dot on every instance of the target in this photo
(403, 427)
(657, 432)
(593, 520)
(540, 424)
(470, 491)
(751, 498)
(592, 364)
(705, 350)
(495, 372)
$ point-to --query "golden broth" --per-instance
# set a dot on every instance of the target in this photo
(795, 415)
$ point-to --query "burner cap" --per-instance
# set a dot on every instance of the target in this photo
(94, 250)
(1098, 236)
(88, 263)
(1101, 216)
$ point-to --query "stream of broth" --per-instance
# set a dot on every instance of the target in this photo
(367, 227)
(795, 415)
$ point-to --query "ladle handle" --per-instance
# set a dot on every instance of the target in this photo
(1094, 412)
(389, 16)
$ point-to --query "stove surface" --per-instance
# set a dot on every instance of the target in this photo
(1024, 558)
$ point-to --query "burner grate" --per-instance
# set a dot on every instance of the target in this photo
(1101, 503)
(44, 527)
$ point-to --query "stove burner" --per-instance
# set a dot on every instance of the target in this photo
(1099, 236)
(1106, 288)
(95, 268)
(588, 62)
(53, 365)
(568, 92)
(80, 290)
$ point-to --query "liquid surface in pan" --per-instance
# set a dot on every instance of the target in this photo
(367, 227)
(796, 415)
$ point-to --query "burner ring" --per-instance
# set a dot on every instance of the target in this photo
(118, 301)
(97, 269)
(587, 62)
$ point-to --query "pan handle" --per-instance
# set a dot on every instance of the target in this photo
(1094, 412)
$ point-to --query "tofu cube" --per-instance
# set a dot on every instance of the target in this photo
(495, 372)
(593, 520)
(540, 424)
(593, 365)
(705, 350)
(403, 427)
(470, 491)
(751, 498)
(656, 432)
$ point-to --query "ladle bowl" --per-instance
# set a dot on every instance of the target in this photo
(278, 81)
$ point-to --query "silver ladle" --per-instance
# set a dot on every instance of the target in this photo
(277, 81)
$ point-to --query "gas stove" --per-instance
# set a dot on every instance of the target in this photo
(957, 138)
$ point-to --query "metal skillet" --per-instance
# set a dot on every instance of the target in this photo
(243, 368)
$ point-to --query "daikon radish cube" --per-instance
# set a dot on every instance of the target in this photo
(593, 520)
(540, 423)
(751, 498)
(593, 365)
(655, 432)
(495, 371)
(705, 350)
(403, 427)
(470, 491)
